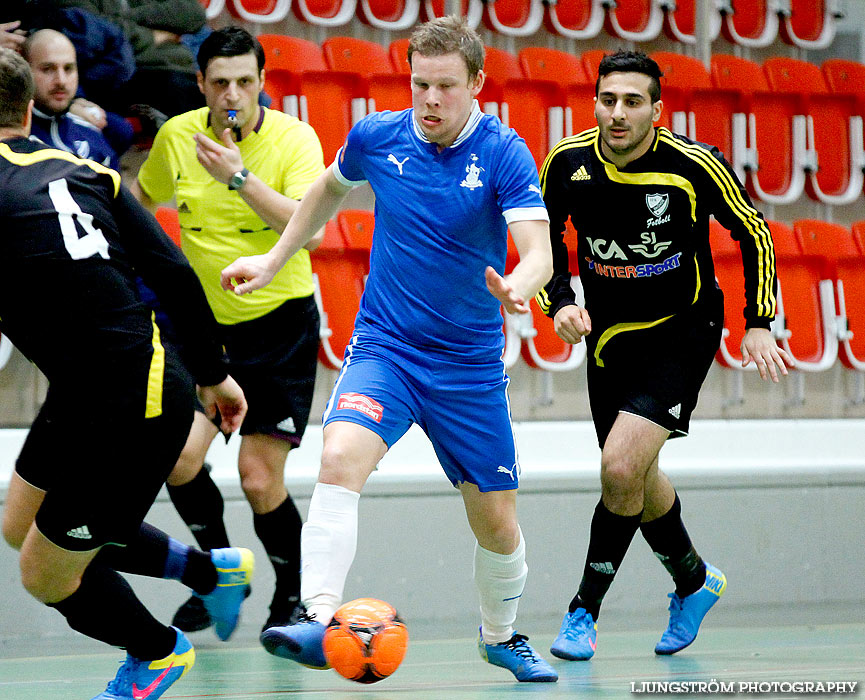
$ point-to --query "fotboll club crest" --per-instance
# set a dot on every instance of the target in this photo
(472, 179)
(657, 203)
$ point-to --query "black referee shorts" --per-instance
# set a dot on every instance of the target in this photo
(274, 359)
(655, 373)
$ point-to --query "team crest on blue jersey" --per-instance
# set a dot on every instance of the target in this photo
(472, 179)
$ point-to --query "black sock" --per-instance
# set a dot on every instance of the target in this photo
(279, 532)
(609, 539)
(199, 502)
(147, 554)
(669, 540)
(105, 608)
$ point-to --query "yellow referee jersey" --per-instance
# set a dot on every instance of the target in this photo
(216, 225)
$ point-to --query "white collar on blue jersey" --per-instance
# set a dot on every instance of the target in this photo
(474, 119)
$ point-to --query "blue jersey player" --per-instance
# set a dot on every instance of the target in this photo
(427, 348)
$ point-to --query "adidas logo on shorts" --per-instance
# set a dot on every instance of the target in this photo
(287, 425)
(676, 410)
(79, 533)
(603, 567)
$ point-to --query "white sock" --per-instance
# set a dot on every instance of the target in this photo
(500, 579)
(328, 543)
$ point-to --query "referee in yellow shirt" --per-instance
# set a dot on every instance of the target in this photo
(237, 172)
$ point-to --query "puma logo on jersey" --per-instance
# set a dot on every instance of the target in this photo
(391, 158)
(581, 174)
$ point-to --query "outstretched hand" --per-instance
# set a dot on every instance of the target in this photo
(504, 292)
(759, 346)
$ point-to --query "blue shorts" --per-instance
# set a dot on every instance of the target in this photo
(463, 408)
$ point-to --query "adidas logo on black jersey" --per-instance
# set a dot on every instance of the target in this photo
(581, 174)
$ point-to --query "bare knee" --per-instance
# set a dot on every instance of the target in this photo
(622, 482)
(44, 584)
(337, 463)
(501, 535)
(13, 535)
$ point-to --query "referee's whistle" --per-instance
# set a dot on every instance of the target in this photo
(232, 120)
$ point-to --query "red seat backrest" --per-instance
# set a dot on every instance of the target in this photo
(353, 55)
(340, 273)
(541, 63)
(167, 218)
(398, 51)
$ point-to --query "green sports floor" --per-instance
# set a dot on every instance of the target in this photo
(744, 647)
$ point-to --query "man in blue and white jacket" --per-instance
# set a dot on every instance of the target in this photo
(53, 63)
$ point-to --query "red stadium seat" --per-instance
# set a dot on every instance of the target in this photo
(339, 274)
(298, 80)
(260, 11)
(805, 325)
(356, 227)
(681, 20)
(859, 235)
(770, 136)
(472, 10)
(811, 23)
(635, 20)
(847, 271)
(698, 110)
(398, 51)
(542, 348)
(514, 17)
(534, 108)
(325, 13)
(567, 71)
(834, 130)
(167, 218)
(212, 8)
(591, 60)
(392, 15)
(846, 78)
(752, 23)
(370, 61)
(575, 19)
(728, 271)
(806, 303)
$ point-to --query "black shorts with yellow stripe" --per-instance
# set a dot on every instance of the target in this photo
(102, 468)
(656, 372)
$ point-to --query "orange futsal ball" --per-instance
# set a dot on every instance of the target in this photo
(366, 640)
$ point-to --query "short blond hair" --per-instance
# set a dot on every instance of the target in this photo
(445, 35)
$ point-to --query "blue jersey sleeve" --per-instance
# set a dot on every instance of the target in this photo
(518, 190)
(348, 164)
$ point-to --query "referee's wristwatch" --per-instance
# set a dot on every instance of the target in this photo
(238, 180)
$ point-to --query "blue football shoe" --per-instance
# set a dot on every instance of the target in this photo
(687, 613)
(300, 642)
(519, 658)
(234, 567)
(148, 680)
(577, 638)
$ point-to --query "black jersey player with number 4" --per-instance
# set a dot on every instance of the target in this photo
(118, 409)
